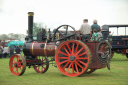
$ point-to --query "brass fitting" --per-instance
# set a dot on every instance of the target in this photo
(30, 13)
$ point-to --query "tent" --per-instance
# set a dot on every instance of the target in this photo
(16, 43)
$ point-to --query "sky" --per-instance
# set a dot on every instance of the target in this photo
(53, 13)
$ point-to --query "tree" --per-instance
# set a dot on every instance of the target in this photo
(16, 36)
(36, 28)
(4, 36)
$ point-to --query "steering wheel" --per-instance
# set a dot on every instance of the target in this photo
(65, 36)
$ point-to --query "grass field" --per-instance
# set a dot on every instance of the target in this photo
(118, 75)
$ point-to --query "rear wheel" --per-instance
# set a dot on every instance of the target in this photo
(42, 66)
(17, 65)
(73, 58)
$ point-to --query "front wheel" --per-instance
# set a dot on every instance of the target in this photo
(17, 65)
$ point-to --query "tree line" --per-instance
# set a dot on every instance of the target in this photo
(11, 36)
(36, 27)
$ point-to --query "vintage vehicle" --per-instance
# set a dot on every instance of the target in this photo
(119, 37)
(72, 56)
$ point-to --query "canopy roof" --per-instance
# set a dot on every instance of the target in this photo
(16, 43)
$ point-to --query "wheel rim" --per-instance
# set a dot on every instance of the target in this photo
(89, 71)
(17, 65)
(73, 58)
(42, 68)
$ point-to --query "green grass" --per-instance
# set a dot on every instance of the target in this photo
(118, 75)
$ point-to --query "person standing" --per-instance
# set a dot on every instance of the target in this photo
(3, 43)
(17, 50)
(11, 51)
(5, 51)
(85, 29)
(95, 26)
(1, 49)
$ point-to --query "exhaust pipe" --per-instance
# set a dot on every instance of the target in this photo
(30, 27)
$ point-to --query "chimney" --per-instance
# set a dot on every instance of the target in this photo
(30, 26)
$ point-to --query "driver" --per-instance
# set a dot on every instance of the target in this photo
(85, 29)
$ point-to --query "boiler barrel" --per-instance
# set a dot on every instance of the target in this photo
(40, 49)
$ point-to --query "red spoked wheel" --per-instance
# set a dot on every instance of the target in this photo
(89, 71)
(41, 67)
(73, 58)
(17, 65)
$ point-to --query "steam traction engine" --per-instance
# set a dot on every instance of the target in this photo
(73, 57)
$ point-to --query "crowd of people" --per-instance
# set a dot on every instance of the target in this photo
(5, 51)
(92, 33)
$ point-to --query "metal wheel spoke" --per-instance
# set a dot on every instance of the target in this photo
(72, 68)
(66, 65)
(82, 62)
(44, 68)
(60, 33)
(82, 54)
(63, 57)
(76, 68)
(80, 50)
(76, 47)
(14, 60)
(17, 70)
(63, 53)
(73, 48)
(20, 69)
(79, 65)
(69, 68)
(69, 48)
(66, 51)
(63, 62)
(67, 30)
(82, 58)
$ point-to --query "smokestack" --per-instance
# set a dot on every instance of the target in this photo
(30, 26)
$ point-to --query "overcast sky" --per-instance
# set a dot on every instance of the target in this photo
(14, 18)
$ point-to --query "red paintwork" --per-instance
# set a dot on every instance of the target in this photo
(15, 70)
(48, 50)
(95, 62)
(76, 62)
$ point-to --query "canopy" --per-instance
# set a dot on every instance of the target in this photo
(16, 43)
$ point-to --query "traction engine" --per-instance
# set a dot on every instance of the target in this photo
(72, 56)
